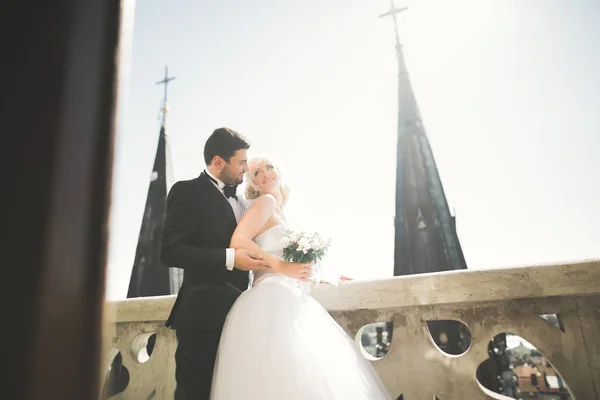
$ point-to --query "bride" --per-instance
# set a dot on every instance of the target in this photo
(277, 342)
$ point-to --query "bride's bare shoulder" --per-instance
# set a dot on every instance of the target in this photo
(265, 203)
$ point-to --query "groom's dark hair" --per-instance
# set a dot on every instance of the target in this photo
(224, 142)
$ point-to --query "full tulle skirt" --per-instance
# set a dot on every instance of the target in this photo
(278, 343)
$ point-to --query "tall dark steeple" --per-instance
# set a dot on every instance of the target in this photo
(426, 238)
(149, 276)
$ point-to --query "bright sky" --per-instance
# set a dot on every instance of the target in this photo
(508, 91)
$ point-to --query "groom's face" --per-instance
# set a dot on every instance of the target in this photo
(233, 171)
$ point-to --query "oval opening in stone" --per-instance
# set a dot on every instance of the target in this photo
(142, 346)
(452, 338)
(117, 378)
(375, 339)
(516, 369)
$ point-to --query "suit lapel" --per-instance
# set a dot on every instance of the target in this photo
(216, 196)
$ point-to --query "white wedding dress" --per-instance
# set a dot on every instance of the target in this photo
(278, 343)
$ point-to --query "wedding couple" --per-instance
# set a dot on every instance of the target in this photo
(267, 342)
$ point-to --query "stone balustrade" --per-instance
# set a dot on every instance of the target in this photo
(488, 302)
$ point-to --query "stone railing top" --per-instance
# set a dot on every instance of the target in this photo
(464, 286)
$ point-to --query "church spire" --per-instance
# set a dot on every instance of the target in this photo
(149, 276)
(425, 234)
(165, 109)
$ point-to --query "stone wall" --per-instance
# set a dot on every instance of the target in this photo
(488, 302)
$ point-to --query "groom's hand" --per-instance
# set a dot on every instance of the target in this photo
(248, 260)
(295, 270)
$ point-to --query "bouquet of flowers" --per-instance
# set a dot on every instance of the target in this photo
(302, 247)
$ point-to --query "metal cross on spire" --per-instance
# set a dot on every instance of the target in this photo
(393, 11)
(165, 82)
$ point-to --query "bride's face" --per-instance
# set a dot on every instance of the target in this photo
(266, 177)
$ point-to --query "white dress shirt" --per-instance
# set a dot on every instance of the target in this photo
(238, 207)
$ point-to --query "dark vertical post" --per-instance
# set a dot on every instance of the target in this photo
(58, 124)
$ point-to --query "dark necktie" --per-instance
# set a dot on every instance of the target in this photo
(228, 190)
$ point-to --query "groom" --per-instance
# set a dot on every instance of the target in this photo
(201, 216)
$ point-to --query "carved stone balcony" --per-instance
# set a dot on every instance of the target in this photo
(487, 302)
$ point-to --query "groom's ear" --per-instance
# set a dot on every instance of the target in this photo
(218, 162)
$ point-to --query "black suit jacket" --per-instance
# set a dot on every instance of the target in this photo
(197, 230)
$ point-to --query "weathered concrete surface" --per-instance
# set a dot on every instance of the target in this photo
(464, 286)
(439, 288)
(416, 368)
(487, 302)
(157, 374)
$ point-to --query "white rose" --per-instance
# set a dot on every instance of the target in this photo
(316, 243)
(304, 245)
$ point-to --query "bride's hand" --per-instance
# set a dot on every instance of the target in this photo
(295, 270)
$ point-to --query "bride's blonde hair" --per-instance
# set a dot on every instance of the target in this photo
(253, 191)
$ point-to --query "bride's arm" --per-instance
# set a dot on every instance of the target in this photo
(252, 221)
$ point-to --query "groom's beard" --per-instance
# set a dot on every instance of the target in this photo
(234, 181)
(227, 179)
